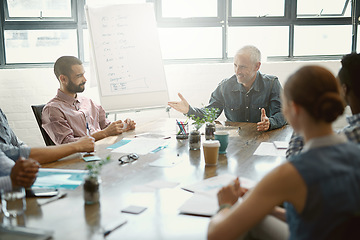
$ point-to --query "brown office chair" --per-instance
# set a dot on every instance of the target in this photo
(37, 109)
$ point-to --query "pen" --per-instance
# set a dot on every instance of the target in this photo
(53, 199)
(180, 126)
(87, 129)
(113, 229)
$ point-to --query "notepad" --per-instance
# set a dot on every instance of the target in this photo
(140, 146)
(269, 149)
(119, 144)
(200, 204)
(59, 178)
(281, 144)
(153, 135)
(211, 186)
(90, 158)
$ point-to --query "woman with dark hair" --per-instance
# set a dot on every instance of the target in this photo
(320, 187)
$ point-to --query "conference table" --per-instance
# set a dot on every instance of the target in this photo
(70, 218)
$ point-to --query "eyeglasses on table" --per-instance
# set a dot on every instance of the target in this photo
(128, 158)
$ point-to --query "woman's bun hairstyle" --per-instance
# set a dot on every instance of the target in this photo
(318, 91)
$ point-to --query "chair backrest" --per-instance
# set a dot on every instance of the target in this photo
(37, 109)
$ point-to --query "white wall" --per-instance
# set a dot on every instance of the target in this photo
(21, 88)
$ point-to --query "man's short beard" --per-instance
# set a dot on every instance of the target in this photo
(71, 87)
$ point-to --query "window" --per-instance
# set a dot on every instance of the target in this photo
(269, 8)
(39, 8)
(190, 43)
(272, 41)
(38, 31)
(322, 40)
(323, 8)
(39, 46)
(189, 8)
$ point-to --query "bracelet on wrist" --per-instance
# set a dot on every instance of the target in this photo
(222, 206)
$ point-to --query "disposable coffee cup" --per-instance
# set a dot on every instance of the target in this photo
(211, 151)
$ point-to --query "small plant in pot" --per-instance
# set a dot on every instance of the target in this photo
(210, 114)
(195, 137)
(92, 181)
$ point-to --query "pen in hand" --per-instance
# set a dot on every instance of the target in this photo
(87, 129)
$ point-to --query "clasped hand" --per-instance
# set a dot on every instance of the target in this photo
(118, 127)
(24, 172)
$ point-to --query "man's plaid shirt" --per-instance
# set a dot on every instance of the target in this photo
(352, 132)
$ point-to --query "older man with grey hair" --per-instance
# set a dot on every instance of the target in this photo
(247, 96)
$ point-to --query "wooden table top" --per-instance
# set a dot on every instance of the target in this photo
(70, 218)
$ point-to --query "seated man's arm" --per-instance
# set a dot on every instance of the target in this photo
(115, 128)
(14, 152)
(57, 126)
(276, 117)
(216, 101)
(53, 153)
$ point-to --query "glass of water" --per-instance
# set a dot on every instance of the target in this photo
(13, 202)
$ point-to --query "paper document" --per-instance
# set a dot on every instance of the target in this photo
(118, 144)
(153, 135)
(166, 162)
(281, 144)
(59, 178)
(140, 146)
(200, 204)
(211, 186)
(269, 149)
(204, 200)
(152, 186)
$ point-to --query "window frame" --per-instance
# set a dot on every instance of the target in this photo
(223, 19)
(45, 23)
(289, 19)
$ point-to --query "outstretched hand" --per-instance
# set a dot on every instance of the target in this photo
(264, 125)
(182, 106)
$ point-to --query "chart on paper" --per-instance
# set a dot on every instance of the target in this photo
(126, 55)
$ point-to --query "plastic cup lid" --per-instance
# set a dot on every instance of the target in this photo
(211, 143)
(221, 133)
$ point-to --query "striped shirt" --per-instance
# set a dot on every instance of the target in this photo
(9, 143)
(65, 118)
(352, 132)
(6, 165)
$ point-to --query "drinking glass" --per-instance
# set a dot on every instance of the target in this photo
(13, 202)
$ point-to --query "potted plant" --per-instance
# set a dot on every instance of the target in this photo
(92, 181)
(194, 136)
(210, 115)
